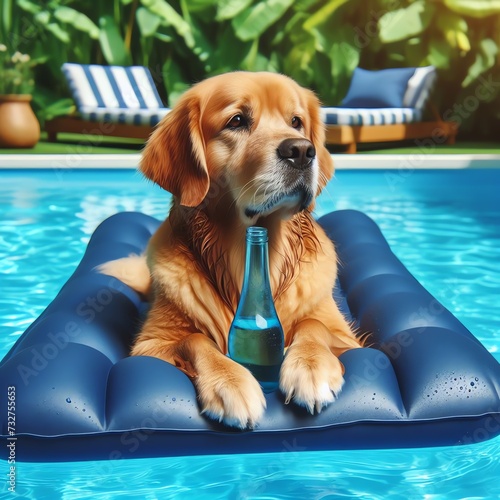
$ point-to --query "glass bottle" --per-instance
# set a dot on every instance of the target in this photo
(256, 338)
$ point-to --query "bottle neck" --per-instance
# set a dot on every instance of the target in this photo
(256, 296)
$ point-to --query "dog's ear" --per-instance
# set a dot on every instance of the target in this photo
(174, 156)
(325, 161)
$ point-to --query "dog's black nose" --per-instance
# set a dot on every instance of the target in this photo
(299, 152)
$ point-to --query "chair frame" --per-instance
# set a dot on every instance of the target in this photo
(351, 136)
(345, 135)
(438, 130)
(75, 125)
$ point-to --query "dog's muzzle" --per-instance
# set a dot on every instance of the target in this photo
(300, 198)
(293, 183)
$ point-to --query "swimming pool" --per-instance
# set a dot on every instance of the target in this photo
(444, 225)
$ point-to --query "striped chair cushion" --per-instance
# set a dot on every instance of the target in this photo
(419, 87)
(415, 98)
(369, 116)
(115, 93)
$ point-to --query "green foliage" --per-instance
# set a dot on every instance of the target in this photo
(474, 8)
(112, 43)
(402, 24)
(16, 72)
(317, 42)
(461, 39)
(253, 21)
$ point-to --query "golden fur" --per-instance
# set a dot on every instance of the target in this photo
(223, 153)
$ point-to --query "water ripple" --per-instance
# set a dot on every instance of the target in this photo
(437, 473)
(450, 241)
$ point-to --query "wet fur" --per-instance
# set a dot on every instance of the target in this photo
(193, 267)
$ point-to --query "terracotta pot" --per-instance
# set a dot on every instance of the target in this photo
(19, 127)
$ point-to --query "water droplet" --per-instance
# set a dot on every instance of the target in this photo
(476, 379)
(84, 409)
(174, 399)
(472, 384)
(68, 400)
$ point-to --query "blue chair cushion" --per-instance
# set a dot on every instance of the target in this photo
(378, 89)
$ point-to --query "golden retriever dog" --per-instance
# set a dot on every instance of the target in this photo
(240, 149)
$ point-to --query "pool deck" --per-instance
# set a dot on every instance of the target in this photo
(342, 161)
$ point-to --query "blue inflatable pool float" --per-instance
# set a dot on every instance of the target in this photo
(425, 381)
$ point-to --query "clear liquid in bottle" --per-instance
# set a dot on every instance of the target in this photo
(257, 344)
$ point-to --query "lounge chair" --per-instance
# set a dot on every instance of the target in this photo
(111, 101)
(387, 105)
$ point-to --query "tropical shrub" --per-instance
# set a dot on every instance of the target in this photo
(317, 42)
(17, 72)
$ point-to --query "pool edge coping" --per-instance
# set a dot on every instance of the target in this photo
(342, 161)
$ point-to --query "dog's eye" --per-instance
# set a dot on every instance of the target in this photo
(296, 122)
(237, 121)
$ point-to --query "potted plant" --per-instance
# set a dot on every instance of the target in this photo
(19, 127)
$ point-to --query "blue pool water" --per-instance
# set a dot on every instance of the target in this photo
(445, 227)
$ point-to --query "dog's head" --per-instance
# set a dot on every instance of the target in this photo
(255, 140)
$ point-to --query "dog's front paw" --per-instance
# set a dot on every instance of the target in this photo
(231, 394)
(311, 375)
